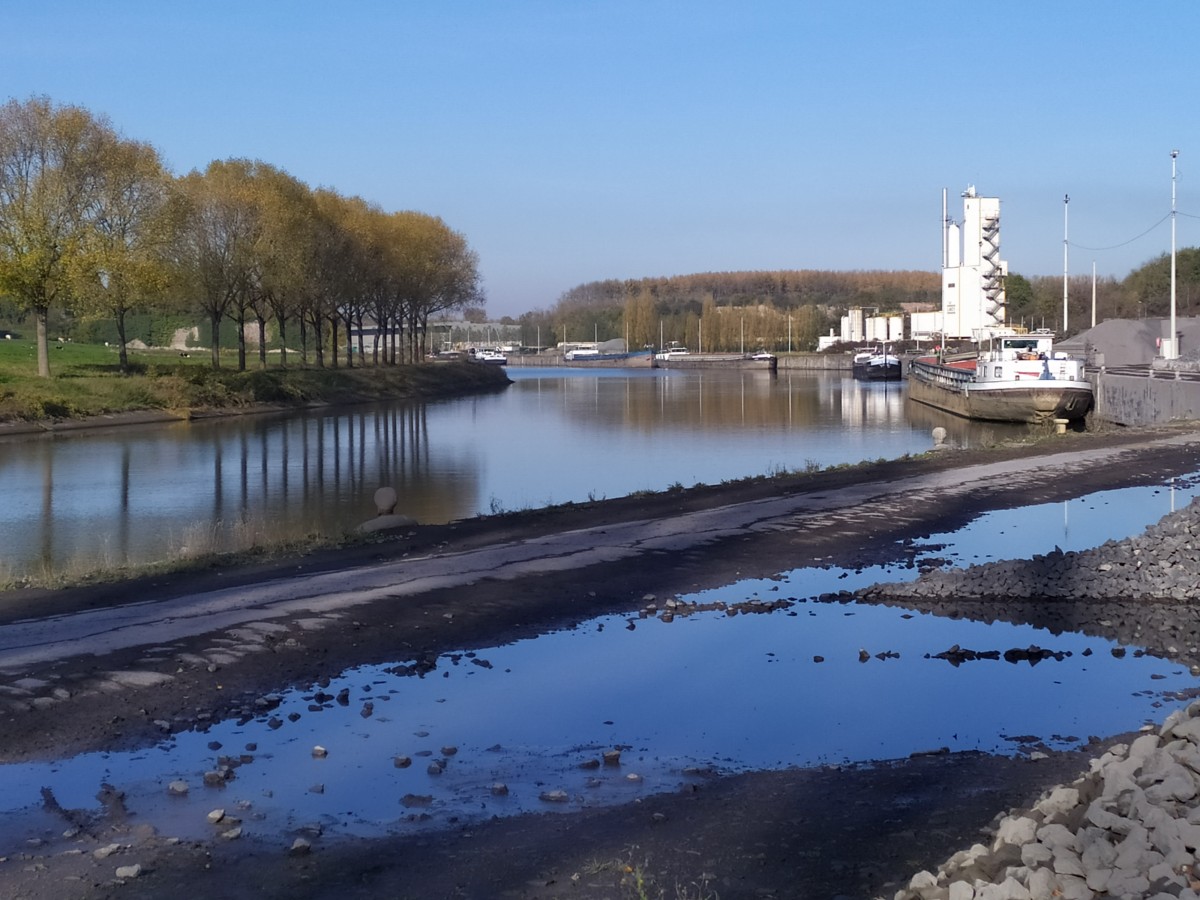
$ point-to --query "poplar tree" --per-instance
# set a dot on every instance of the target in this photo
(50, 166)
(121, 264)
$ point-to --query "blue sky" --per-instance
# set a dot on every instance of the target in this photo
(573, 140)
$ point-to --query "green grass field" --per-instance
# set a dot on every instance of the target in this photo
(86, 381)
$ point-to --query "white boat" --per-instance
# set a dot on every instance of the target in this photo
(581, 353)
(1014, 378)
(488, 355)
(672, 351)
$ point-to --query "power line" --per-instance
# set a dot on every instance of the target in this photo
(1131, 240)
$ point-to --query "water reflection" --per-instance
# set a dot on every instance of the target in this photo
(149, 492)
(962, 432)
(706, 691)
(145, 493)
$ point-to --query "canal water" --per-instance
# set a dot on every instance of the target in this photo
(140, 494)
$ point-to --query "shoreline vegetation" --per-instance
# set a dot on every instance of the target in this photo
(88, 388)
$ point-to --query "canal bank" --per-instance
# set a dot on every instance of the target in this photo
(274, 391)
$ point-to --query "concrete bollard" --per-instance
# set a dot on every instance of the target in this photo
(385, 501)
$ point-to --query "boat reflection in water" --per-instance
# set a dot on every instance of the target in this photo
(962, 432)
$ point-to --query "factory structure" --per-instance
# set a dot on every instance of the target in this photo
(973, 301)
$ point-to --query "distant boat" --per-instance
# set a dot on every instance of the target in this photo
(582, 354)
(674, 350)
(591, 354)
(877, 364)
(488, 355)
(676, 356)
(1017, 378)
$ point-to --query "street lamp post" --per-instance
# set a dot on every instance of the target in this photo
(1093, 293)
(1066, 204)
(1170, 351)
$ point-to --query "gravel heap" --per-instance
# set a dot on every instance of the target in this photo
(1160, 564)
(1130, 827)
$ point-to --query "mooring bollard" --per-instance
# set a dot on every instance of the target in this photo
(385, 501)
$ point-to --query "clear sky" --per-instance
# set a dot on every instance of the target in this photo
(575, 140)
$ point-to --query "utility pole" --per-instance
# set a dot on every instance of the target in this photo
(1093, 293)
(1170, 351)
(1066, 204)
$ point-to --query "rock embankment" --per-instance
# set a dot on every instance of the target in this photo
(1130, 827)
(1160, 564)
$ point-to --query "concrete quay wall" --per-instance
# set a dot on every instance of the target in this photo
(1140, 400)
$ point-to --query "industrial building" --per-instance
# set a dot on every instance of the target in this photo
(973, 300)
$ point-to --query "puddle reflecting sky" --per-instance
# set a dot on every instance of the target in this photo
(710, 689)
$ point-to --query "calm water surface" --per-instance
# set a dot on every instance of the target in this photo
(140, 494)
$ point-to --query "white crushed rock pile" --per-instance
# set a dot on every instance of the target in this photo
(1130, 827)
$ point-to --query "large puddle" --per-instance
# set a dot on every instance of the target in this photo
(756, 675)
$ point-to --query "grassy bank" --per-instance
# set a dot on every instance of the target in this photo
(86, 382)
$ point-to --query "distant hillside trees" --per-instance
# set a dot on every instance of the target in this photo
(726, 311)
(774, 310)
(1147, 291)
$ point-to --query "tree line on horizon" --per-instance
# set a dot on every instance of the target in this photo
(771, 310)
(790, 309)
(94, 226)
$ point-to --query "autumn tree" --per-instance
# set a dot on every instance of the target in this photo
(807, 324)
(640, 324)
(215, 249)
(50, 163)
(121, 261)
(369, 284)
(285, 261)
(437, 271)
(332, 248)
